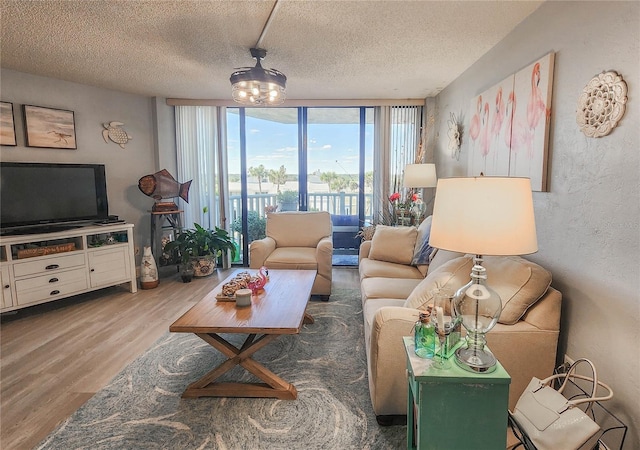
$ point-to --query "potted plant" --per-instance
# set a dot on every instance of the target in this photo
(200, 247)
(256, 225)
(288, 200)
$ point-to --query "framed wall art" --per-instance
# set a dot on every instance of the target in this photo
(49, 127)
(490, 131)
(7, 125)
(530, 123)
(509, 126)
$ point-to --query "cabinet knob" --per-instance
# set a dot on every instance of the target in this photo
(92, 270)
(53, 280)
(56, 292)
(52, 266)
(6, 286)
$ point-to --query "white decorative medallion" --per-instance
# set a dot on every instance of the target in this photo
(601, 104)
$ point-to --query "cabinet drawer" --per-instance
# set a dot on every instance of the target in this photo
(51, 280)
(48, 265)
(51, 292)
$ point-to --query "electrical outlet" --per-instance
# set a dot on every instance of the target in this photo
(568, 360)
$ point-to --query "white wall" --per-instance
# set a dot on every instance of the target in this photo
(587, 224)
(92, 107)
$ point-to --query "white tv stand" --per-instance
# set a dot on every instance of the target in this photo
(39, 268)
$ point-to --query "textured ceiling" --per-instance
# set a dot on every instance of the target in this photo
(187, 49)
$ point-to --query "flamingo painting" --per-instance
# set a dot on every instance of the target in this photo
(536, 107)
(474, 128)
(519, 136)
(484, 135)
(498, 114)
(528, 104)
(487, 151)
(500, 125)
(509, 125)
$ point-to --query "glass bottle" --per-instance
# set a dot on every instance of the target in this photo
(425, 337)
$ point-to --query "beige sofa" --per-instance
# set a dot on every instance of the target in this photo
(298, 241)
(393, 291)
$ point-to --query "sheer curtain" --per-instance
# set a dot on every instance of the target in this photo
(396, 143)
(198, 153)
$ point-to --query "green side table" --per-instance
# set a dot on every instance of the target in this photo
(454, 409)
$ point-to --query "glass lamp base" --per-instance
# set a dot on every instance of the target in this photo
(475, 360)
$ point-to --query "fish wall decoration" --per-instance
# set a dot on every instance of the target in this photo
(162, 185)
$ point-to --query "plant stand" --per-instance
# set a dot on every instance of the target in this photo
(164, 223)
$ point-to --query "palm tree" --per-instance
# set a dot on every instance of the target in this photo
(259, 172)
(329, 178)
(278, 177)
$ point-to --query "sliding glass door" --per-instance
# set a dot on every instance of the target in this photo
(263, 171)
(309, 159)
(336, 145)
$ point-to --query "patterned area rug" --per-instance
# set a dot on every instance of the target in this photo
(142, 409)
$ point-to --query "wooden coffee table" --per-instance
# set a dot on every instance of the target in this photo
(279, 310)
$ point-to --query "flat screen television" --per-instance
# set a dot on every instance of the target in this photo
(41, 196)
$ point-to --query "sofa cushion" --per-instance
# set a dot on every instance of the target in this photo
(294, 258)
(393, 244)
(373, 268)
(299, 228)
(388, 288)
(520, 283)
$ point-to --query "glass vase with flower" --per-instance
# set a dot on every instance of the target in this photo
(402, 209)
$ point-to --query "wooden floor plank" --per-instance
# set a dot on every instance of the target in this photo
(56, 356)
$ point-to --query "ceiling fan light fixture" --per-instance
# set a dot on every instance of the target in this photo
(257, 86)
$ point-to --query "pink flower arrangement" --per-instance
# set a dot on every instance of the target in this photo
(408, 203)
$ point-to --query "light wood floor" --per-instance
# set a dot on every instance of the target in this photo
(54, 357)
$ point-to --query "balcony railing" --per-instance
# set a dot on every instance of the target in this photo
(341, 203)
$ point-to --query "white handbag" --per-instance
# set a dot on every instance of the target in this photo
(551, 421)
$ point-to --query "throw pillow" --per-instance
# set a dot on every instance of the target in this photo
(393, 244)
(451, 275)
(520, 283)
(423, 251)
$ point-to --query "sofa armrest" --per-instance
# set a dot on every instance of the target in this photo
(365, 248)
(259, 250)
(324, 255)
(387, 358)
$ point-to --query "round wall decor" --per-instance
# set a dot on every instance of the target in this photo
(601, 104)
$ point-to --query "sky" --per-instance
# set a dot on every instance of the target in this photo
(331, 147)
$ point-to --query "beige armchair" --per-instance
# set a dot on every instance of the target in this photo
(297, 240)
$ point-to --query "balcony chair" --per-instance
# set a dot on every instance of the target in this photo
(297, 240)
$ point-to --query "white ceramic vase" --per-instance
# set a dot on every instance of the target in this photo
(148, 270)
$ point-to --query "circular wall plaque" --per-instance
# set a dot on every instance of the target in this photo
(601, 104)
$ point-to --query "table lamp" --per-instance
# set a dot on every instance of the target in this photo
(420, 176)
(482, 216)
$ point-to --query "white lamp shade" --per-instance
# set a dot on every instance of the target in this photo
(420, 176)
(484, 216)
